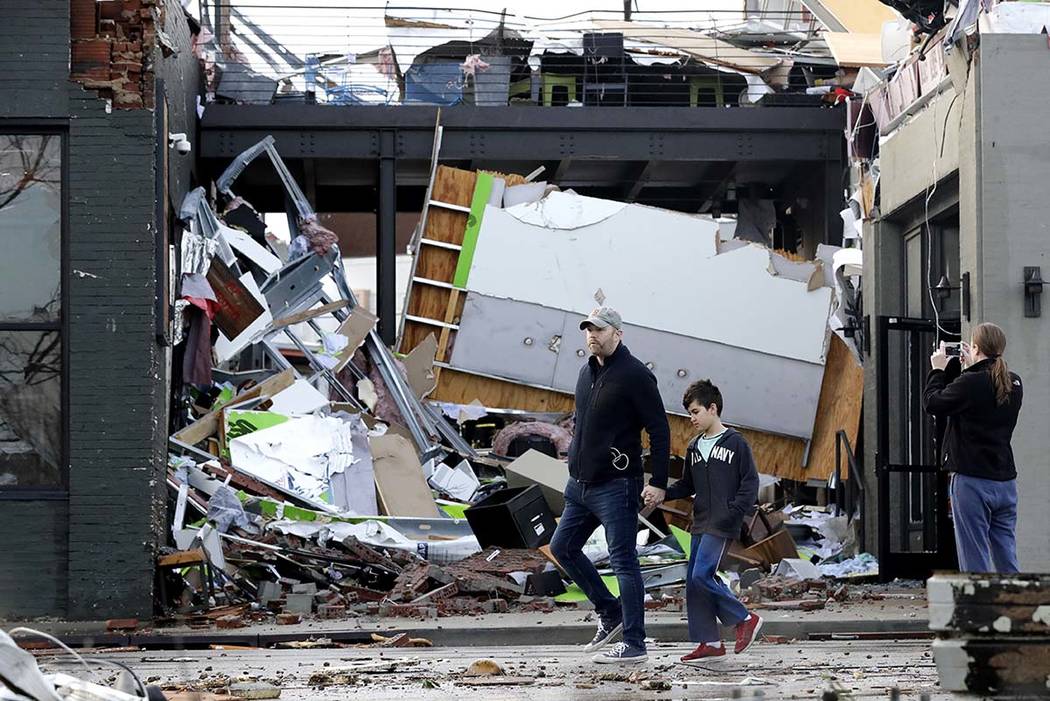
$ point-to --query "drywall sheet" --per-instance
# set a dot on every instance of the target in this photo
(653, 265)
(762, 391)
(501, 336)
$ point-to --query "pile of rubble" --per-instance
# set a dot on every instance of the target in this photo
(310, 473)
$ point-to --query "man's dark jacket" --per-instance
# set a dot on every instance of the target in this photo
(614, 402)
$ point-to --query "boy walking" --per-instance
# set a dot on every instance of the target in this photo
(720, 471)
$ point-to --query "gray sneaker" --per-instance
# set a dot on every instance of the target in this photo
(621, 653)
(604, 636)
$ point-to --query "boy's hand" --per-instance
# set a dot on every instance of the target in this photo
(653, 496)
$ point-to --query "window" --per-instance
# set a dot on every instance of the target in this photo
(31, 394)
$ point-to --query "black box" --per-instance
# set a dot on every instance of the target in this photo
(544, 584)
(512, 518)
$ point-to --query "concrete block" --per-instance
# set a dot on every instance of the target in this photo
(299, 603)
(269, 591)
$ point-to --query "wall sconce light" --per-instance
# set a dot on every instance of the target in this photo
(1033, 290)
(944, 288)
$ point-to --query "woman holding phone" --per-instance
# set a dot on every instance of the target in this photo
(981, 401)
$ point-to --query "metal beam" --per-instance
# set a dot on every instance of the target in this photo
(528, 133)
(386, 238)
(639, 181)
(561, 170)
(301, 117)
(833, 194)
(531, 143)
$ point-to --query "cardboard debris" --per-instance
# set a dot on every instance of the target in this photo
(419, 366)
(550, 474)
(350, 336)
(401, 487)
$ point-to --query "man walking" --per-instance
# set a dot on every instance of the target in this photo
(616, 398)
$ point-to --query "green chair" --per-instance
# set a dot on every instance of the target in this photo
(521, 88)
(552, 80)
(705, 82)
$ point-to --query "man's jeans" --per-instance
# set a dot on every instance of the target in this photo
(985, 516)
(614, 505)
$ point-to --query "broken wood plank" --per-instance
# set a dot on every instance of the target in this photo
(207, 425)
(183, 557)
(309, 314)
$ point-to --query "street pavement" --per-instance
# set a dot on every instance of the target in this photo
(857, 669)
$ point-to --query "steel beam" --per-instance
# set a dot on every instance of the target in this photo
(386, 238)
(527, 133)
(532, 144)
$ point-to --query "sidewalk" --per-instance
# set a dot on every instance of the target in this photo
(900, 614)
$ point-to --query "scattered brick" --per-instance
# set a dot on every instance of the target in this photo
(331, 611)
(288, 619)
(122, 624)
(227, 622)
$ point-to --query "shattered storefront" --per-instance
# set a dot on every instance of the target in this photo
(313, 471)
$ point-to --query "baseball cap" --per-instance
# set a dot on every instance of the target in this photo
(603, 317)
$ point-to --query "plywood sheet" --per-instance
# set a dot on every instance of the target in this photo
(854, 50)
(703, 48)
(864, 16)
(841, 400)
(562, 269)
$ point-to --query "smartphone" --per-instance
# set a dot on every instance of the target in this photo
(953, 350)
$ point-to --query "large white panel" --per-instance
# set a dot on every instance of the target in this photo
(660, 270)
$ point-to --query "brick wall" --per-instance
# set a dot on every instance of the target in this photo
(92, 557)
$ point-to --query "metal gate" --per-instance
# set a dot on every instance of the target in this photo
(914, 520)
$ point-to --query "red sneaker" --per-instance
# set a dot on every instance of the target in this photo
(704, 650)
(747, 632)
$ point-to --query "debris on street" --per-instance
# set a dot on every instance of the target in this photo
(315, 474)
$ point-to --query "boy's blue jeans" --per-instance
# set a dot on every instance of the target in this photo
(985, 516)
(707, 599)
(614, 505)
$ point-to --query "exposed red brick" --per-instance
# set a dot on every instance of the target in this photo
(127, 66)
(288, 619)
(83, 24)
(109, 9)
(90, 59)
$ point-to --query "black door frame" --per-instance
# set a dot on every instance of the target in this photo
(939, 554)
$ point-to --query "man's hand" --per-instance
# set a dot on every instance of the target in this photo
(653, 496)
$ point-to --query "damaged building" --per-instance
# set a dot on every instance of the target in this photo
(209, 410)
(953, 243)
(88, 186)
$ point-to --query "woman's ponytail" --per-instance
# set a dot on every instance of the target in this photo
(992, 341)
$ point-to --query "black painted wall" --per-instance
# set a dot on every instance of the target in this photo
(91, 555)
